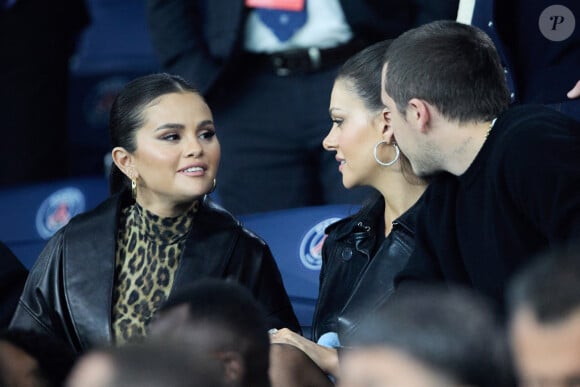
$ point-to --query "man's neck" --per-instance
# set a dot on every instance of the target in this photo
(465, 142)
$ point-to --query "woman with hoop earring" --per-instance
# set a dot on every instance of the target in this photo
(363, 252)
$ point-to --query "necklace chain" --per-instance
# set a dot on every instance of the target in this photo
(490, 127)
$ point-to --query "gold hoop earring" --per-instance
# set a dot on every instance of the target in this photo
(214, 184)
(134, 188)
(389, 163)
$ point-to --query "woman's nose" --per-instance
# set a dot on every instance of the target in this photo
(194, 148)
(329, 142)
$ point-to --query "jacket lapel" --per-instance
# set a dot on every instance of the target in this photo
(89, 267)
(209, 246)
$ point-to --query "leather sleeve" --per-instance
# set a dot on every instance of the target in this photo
(262, 276)
(40, 307)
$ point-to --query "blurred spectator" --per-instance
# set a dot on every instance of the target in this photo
(539, 44)
(37, 39)
(152, 364)
(544, 303)
(429, 336)
(32, 359)
(269, 91)
(12, 278)
(220, 318)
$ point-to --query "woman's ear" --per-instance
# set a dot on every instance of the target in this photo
(387, 132)
(124, 161)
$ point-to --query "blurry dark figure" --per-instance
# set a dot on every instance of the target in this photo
(224, 320)
(429, 336)
(33, 359)
(37, 39)
(544, 306)
(151, 364)
(552, 28)
(13, 275)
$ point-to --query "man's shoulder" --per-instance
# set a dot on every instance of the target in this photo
(530, 129)
(534, 119)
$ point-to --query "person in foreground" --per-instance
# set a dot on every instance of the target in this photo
(362, 253)
(33, 359)
(432, 336)
(507, 179)
(544, 310)
(221, 319)
(148, 364)
(101, 278)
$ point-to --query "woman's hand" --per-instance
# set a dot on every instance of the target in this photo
(326, 358)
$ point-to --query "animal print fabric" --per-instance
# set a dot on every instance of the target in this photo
(147, 258)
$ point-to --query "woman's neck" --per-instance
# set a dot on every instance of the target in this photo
(399, 195)
(166, 210)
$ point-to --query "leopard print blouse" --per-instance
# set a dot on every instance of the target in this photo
(148, 251)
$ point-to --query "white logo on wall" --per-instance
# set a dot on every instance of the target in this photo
(557, 23)
(311, 245)
(57, 209)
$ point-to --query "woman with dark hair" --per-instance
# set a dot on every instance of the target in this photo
(101, 278)
(362, 253)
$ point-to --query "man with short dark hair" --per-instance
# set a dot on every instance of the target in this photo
(544, 305)
(222, 318)
(506, 180)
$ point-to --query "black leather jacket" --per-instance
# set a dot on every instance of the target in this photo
(359, 265)
(69, 290)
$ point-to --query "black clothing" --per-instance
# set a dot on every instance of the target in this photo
(12, 278)
(359, 265)
(513, 26)
(518, 197)
(70, 288)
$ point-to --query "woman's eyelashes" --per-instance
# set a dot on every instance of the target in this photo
(170, 137)
(337, 121)
(206, 134)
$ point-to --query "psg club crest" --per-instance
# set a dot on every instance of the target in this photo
(311, 245)
(57, 209)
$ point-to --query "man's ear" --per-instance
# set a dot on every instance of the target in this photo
(419, 113)
(234, 367)
(124, 161)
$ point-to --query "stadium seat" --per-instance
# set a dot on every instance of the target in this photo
(295, 237)
(31, 214)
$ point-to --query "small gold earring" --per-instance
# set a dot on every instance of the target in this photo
(213, 186)
(134, 188)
